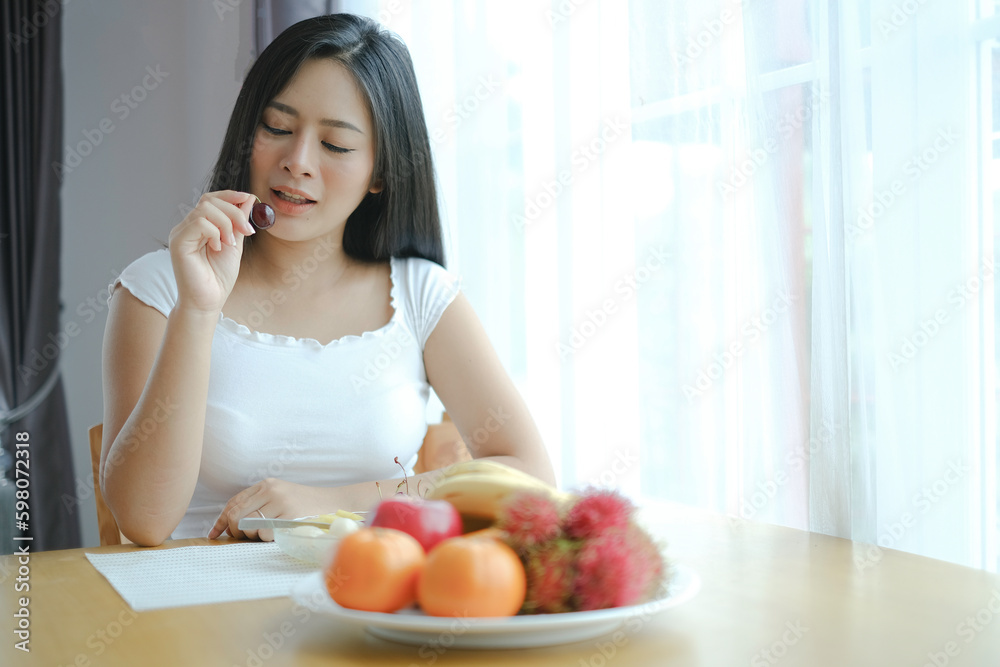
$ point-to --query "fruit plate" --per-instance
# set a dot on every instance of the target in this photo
(411, 626)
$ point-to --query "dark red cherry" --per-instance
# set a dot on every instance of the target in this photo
(262, 215)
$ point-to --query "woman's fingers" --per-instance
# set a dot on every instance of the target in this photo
(226, 212)
(237, 207)
(229, 522)
(225, 521)
(274, 499)
(229, 219)
(223, 222)
(257, 501)
(243, 201)
(206, 249)
(205, 231)
(221, 526)
(247, 503)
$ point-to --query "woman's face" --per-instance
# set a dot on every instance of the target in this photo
(314, 152)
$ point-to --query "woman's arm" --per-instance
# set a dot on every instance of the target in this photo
(479, 396)
(156, 373)
(155, 388)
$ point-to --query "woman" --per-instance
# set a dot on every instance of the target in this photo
(280, 372)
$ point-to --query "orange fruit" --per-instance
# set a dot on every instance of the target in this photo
(375, 569)
(472, 576)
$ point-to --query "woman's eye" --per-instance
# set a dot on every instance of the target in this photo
(336, 149)
(274, 130)
(330, 147)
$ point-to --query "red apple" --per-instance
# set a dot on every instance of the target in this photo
(429, 521)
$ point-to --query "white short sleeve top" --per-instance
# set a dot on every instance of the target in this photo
(314, 414)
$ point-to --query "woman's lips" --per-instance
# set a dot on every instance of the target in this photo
(289, 207)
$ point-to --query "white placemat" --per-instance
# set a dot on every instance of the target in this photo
(200, 575)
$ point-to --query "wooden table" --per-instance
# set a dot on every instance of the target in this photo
(770, 596)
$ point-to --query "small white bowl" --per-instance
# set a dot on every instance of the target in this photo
(311, 544)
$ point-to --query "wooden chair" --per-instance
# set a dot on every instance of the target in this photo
(442, 446)
(107, 525)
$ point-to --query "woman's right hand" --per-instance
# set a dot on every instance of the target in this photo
(206, 248)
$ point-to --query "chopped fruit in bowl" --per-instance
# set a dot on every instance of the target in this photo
(328, 518)
(314, 544)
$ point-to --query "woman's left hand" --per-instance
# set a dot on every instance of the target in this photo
(275, 499)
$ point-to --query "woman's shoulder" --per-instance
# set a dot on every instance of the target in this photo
(157, 261)
(150, 279)
(420, 276)
(426, 288)
(420, 265)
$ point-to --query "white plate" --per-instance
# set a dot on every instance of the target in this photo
(412, 626)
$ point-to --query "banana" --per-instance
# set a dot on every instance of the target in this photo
(481, 493)
(488, 466)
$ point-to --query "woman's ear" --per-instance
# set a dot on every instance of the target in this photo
(376, 187)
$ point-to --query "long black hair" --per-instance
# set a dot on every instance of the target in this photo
(402, 219)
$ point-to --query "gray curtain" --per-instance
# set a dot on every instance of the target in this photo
(31, 394)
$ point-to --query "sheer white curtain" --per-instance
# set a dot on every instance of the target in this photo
(737, 255)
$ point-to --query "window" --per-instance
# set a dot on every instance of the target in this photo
(737, 255)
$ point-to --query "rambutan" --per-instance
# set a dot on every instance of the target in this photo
(550, 571)
(592, 556)
(650, 560)
(616, 568)
(529, 519)
(596, 511)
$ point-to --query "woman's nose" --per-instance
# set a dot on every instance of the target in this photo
(301, 157)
